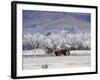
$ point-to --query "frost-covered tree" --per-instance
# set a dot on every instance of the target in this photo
(61, 39)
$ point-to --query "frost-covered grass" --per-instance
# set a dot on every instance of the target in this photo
(56, 62)
(78, 58)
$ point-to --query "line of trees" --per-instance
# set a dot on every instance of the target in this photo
(74, 41)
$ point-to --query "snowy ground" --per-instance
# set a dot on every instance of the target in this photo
(78, 58)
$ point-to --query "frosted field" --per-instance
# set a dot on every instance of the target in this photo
(77, 58)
